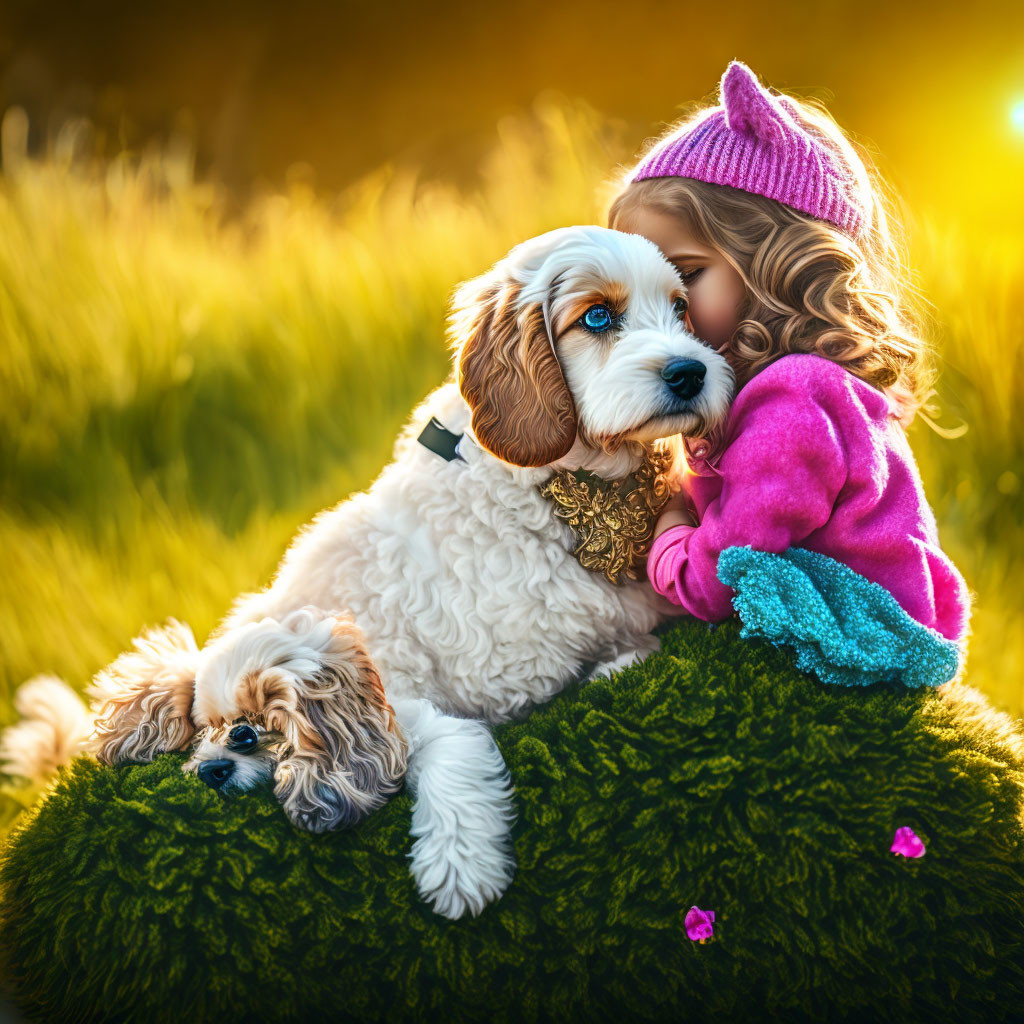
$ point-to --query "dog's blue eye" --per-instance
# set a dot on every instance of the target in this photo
(242, 739)
(597, 319)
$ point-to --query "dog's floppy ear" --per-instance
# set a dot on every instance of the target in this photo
(142, 703)
(523, 411)
(315, 683)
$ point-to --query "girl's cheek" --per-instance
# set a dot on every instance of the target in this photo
(707, 322)
(715, 317)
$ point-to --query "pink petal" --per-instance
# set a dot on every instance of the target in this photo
(906, 842)
(699, 923)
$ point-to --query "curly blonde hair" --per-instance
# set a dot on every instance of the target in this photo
(810, 286)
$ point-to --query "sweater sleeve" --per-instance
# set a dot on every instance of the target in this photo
(781, 474)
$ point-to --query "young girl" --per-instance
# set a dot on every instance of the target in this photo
(778, 230)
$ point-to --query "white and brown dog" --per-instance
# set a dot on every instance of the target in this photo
(446, 596)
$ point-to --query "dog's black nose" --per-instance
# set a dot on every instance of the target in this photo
(685, 377)
(215, 773)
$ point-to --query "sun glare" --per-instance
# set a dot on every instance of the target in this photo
(1017, 115)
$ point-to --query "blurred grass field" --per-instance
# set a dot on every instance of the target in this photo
(183, 389)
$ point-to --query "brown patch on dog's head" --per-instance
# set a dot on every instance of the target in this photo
(565, 314)
(270, 695)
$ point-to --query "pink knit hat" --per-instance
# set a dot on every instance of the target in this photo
(755, 142)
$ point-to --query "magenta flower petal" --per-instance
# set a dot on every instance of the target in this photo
(700, 923)
(906, 842)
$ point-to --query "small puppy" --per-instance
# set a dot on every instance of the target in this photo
(447, 595)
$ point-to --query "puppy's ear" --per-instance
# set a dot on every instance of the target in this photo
(523, 411)
(346, 754)
(142, 703)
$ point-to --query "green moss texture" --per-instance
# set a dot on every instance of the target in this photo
(714, 774)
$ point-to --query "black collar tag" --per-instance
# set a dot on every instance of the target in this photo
(440, 440)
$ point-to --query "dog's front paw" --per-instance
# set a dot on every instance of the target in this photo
(460, 872)
(462, 813)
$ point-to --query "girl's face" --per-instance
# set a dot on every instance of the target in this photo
(715, 290)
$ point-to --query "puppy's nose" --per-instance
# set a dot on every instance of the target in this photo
(215, 773)
(684, 377)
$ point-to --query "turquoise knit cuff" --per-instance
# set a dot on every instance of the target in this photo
(841, 627)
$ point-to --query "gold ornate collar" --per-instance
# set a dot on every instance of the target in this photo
(613, 520)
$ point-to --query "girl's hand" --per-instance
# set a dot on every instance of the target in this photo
(675, 513)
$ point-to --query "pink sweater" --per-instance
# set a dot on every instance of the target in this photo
(813, 459)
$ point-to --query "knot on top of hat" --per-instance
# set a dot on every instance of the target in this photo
(752, 109)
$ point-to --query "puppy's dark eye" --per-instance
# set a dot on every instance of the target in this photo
(242, 739)
(681, 306)
(597, 319)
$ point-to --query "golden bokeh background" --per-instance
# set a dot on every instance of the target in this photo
(228, 235)
(333, 90)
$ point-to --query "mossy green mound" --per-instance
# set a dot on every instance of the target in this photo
(712, 775)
